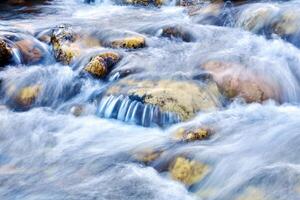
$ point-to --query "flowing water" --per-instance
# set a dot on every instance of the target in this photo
(48, 153)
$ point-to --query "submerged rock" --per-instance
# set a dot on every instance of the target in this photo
(100, 65)
(288, 23)
(134, 42)
(193, 134)
(5, 53)
(235, 80)
(252, 193)
(144, 2)
(31, 53)
(188, 171)
(148, 155)
(63, 40)
(177, 32)
(27, 95)
(181, 97)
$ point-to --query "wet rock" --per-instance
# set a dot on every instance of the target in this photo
(193, 134)
(177, 32)
(101, 65)
(134, 42)
(207, 14)
(5, 53)
(181, 97)
(63, 40)
(257, 18)
(144, 2)
(188, 171)
(31, 52)
(27, 95)
(236, 80)
(77, 110)
(252, 193)
(287, 24)
(147, 155)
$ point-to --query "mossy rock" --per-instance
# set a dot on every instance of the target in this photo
(236, 80)
(188, 171)
(100, 65)
(5, 53)
(184, 98)
(133, 42)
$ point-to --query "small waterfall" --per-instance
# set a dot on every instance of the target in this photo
(133, 111)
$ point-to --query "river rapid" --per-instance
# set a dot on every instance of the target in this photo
(78, 136)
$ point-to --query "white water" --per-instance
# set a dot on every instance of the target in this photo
(47, 153)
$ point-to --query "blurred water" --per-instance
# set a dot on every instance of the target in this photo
(47, 153)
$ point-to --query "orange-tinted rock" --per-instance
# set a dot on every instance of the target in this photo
(31, 53)
(5, 53)
(236, 80)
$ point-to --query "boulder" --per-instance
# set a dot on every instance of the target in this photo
(5, 53)
(183, 98)
(100, 65)
(252, 193)
(236, 80)
(188, 171)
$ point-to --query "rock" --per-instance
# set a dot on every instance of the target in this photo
(188, 171)
(236, 80)
(157, 3)
(256, 18)
(148, 155)
(184, 98)
(31, 53)
(252, 193)
(63, 40)
(27, 95)
(288, 23)
(100, 65)
(5, 53)
(129, 42)
(193, 134)
(77, 110)
(177, 32)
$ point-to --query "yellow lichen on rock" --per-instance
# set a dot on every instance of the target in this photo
(96, 67)
(188, 171)
(129, 42)
(100, 65)
(27, 95)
